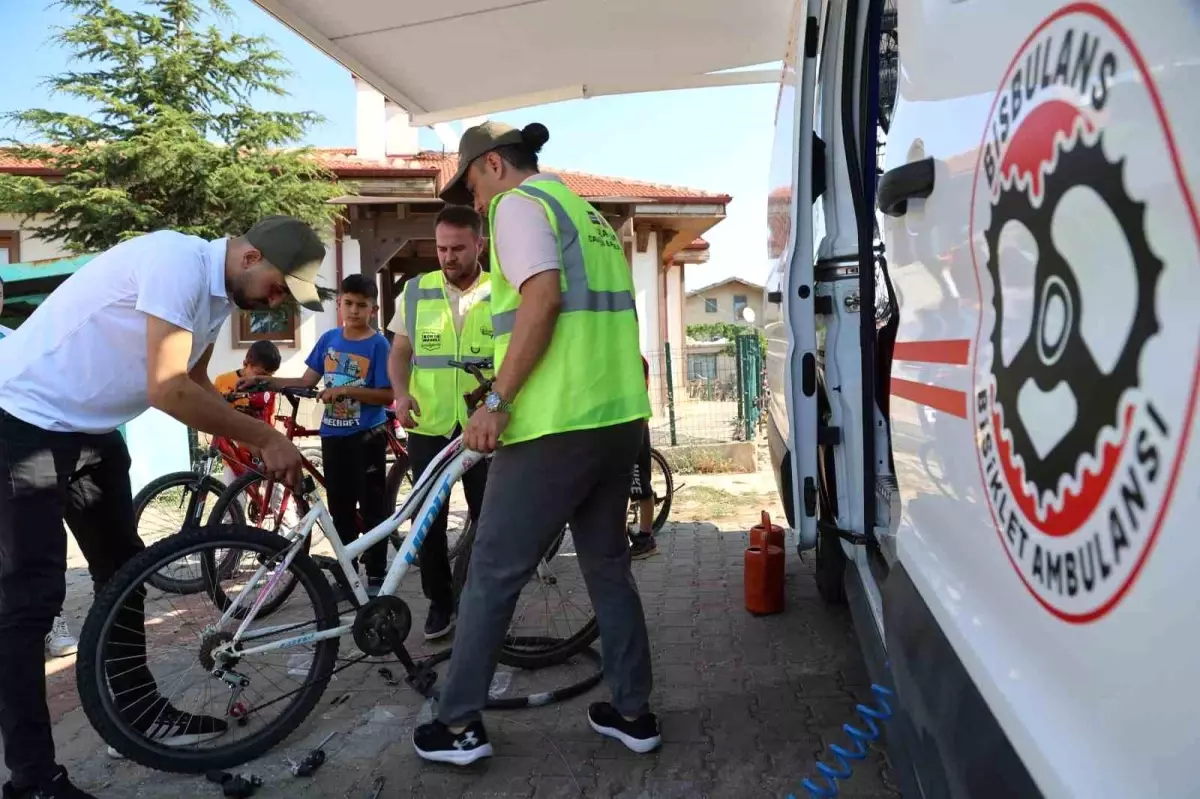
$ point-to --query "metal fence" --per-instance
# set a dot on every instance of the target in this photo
(713, 392)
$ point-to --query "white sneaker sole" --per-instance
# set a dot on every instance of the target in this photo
(639, 745)
(61, 650)
(455, 757)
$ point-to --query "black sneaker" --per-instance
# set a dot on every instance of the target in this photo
(640, 735)
(642, 546)
(435, 742)
(438, 623)
(165, 725)
(58, 788)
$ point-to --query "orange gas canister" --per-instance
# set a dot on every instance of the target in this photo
(764, 568)
(766, 533)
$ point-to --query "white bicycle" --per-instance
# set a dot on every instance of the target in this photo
(221, 716)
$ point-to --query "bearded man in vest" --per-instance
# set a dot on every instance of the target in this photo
(443, 316)
(564, 418)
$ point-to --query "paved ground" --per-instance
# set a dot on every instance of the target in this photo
(746, 703)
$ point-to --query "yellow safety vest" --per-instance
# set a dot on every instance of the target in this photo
(437, 386)
(591, 374)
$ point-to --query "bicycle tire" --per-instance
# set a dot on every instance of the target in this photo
(157, 486)
(527, 652)
(89, 670)
(664, 510)
(208, 566)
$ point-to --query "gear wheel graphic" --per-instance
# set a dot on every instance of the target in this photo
(1054, 352)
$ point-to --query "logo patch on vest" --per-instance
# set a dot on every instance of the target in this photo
(487, 332)
(602, 232)
(430, 340)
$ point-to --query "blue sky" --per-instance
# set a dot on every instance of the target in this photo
(713, 139)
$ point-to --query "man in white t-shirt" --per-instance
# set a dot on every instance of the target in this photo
(59, 641)
(132, 329)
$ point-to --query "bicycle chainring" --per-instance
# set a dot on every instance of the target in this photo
(1049, 361)
(380, 622)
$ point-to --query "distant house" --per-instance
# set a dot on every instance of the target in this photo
(723, 302)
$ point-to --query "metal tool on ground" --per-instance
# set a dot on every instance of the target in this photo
(309, 764)
(238, 786)
(376, 788)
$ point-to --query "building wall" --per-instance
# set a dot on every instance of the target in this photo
(695, 313)
(32, 248)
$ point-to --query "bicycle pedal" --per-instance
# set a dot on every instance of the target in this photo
(422, 682)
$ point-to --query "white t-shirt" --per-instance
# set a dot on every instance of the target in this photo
(524, 240)
(78, 364)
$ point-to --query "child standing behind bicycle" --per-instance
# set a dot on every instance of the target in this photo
(262, 360)
(350, 363)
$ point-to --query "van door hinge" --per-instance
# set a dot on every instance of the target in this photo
(823, 305)
(846, 535)
(828, 436)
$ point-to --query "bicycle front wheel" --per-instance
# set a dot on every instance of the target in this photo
(553, 620)
(160, 677)
(267, 505)
(169, 503)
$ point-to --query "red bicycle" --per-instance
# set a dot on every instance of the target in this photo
(264, 502)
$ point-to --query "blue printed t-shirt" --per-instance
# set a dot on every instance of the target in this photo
(345, 362)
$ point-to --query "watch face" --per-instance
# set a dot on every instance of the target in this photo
(492, 402)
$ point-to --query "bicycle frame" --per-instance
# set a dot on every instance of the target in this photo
(422, 505)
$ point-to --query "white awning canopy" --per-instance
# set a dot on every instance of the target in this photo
(444, 60)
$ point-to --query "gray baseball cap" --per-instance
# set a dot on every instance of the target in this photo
(475, 142)
(292, 246)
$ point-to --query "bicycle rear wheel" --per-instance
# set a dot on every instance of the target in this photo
(132, 651)
(662, 482)
(543, 633)
(168, 504)
(267, 505)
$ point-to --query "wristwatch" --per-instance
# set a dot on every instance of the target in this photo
(494, 403)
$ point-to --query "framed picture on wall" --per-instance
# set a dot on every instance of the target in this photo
(280, 325)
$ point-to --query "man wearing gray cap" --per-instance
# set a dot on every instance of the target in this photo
(568, 405)
(131, 330)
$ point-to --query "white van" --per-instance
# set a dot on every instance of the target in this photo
(984, 231)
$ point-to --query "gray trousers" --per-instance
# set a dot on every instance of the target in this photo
(533, 489)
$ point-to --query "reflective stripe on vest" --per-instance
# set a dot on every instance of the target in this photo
(437, 386)
(577, 296)
(590, 376)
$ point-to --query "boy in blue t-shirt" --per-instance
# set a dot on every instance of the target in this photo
(350, 363)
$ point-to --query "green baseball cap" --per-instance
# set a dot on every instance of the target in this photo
(475, 142)
(294, 248)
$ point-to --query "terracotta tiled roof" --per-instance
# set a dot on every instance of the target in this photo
(346, 164)
(698, 244)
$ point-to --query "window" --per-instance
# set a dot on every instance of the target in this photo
(10, 247)
(710, 305)
(739, 302)
(702, 366)
(280, 325)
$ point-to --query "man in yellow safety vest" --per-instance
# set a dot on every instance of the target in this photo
(569, 405)
(444, 316)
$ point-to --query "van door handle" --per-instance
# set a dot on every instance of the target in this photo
(904, 183)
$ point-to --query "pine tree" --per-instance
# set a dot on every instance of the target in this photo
(175, 140)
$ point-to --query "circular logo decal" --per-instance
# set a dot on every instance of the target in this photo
(1084, 236)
